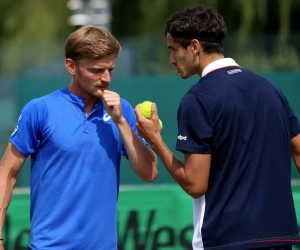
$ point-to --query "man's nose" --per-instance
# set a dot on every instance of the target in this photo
(106, 76)
(172, 60)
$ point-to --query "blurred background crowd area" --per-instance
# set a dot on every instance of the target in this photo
(263, 36)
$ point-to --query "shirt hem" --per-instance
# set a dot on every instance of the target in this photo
(258, 243)
(193, 150)
(18, 147)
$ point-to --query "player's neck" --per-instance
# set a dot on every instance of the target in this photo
(208, 59)
(89, 101)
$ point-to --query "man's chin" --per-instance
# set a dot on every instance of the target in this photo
(184, 76)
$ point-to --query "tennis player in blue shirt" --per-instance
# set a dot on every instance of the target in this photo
(237, 133)
(75, 137)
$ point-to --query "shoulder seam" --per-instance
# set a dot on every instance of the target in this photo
(205, 103)
(45, 115)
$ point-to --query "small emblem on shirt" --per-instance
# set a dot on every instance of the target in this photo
(234, 71)
(180, 137)
(106, 117)
(15, 130)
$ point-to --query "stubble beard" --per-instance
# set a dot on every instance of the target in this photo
(83, 87)
(86, 90)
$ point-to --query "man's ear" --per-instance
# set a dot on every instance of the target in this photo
(70, 66)
(196, 46)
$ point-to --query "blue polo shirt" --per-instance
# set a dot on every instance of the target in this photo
(75, 164)
(245, 122)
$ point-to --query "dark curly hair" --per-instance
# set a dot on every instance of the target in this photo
(201, 23)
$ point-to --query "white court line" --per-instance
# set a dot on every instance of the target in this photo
(19, 190)
(26, 190)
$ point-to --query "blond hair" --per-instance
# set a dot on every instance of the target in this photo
(91, 43)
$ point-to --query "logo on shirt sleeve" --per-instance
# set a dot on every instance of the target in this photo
(17, 127)
(15, 130)
(180, 137)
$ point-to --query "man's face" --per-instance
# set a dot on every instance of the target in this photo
(182, 59)
(92, 75)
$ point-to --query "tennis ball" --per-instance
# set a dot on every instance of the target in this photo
(160, 123)
(146, 111)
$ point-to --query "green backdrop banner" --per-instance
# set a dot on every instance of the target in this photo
(166, 91)
(150, 218)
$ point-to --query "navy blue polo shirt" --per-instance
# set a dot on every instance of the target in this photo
(245, 122)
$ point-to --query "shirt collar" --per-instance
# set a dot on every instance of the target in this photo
(219, 64)
(78, 100)
(71, 97)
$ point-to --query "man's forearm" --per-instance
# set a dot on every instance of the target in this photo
(6, 188)
(142, 159)
(174, 166)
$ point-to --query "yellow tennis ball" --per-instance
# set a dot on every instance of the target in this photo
(160, 123)
(146, 109)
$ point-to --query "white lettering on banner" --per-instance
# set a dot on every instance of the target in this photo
(180, 137)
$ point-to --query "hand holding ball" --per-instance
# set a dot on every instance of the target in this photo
(146, 111)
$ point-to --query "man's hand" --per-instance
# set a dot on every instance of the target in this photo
(149, 129)
(112, 104)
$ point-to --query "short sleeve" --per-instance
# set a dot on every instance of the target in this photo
(26, 136)
(292, 119)
(130, 117)
(195, 130)
(294, 123)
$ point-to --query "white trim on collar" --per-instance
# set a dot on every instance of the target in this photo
(218, 64)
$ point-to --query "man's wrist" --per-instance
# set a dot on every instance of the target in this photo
(156, 142)
(121, 121)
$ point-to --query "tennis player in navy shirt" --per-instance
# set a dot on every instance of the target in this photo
(75, 137)
(237, 133)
